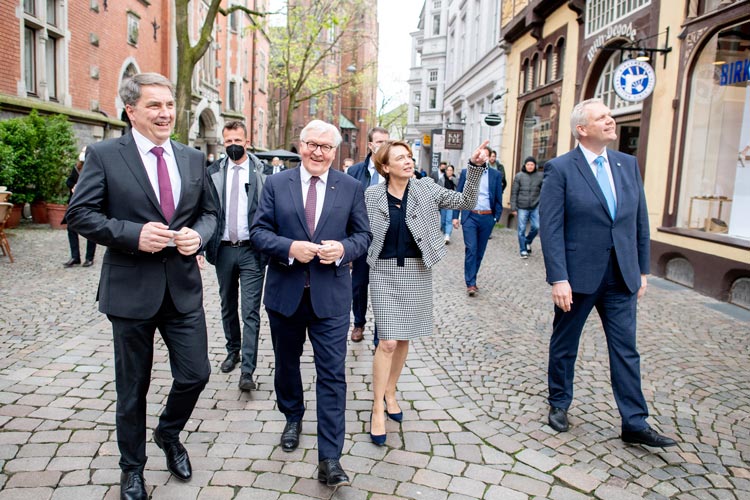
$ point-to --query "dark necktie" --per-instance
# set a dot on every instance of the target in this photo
(312, 199)
(603, 179)
(166, 199)
(234, 205)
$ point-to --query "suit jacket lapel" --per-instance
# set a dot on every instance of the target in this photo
(585, 169)
(295, 191)
(183, 166)
(615, 165)
(132, 158)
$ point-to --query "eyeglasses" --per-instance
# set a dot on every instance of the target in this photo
(312, 146)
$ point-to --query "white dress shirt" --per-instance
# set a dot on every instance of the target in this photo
(320, 189)
(149, 161)
(243, 230)
(590, 157)
(371, 168)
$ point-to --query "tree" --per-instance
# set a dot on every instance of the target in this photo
(394, 120)
(188, 55)
(305, 53)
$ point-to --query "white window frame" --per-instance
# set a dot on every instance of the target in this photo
(48, 75)
(603, 13)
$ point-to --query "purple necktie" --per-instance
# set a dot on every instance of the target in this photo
(312, 198)
(233, 205)
(166, 199)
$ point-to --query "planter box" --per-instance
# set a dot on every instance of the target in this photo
(39, 212)
(15, 216)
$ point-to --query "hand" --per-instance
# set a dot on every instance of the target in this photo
(562, 295)
(187, 241)
(330, 251)
(479, 156)
(201, 260)
(644, 285)
(303, 251)
(154, 237)
(513, 212)
(455, 223)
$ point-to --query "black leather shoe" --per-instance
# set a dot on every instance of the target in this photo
(231, 362)
(178, 461)
(87, 263)
(71, 263)
(558, 419)
(331, 473)
(290, 436)
(246, 383)
(649, 437)
(132, 486)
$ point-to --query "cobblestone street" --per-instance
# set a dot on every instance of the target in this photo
(473, 395)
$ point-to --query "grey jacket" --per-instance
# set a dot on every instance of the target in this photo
(527, 187)
(423, 206)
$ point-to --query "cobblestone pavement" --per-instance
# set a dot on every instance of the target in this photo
(473, 397)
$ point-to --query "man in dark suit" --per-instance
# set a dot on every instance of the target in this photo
(312, 222)
(237, 182)
(275, 167)
(148, 200)
(366, 174)
(478, 223)
(595, 239)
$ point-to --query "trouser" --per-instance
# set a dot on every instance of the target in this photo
(75, 252)
(477, 229)
(525, 217)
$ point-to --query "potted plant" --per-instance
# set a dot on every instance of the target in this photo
(57, 154)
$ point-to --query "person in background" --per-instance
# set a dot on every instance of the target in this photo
(446, 214)
(237, 181)
(406, 243)
(495, 165)
(75, 250)
(312, 222)
(348, 162)
(148, 200)
(524, 201)
(275, 167)
(210, 159)
(596, 242)
(367, 175)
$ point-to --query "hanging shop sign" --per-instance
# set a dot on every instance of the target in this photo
(493, 120)
(454, 139)
(634, 80)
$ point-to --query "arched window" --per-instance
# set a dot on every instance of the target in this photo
(559, 58)
(524, 85)
(535, 71)
(549, 64)
(604, 89)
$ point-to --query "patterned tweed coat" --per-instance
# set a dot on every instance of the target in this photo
(423, 204)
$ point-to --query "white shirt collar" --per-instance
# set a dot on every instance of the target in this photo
(243, 165)
(591, 156)
(145, 145)
(305, 175)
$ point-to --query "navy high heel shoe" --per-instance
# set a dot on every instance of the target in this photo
(377, 439)
(396, 417)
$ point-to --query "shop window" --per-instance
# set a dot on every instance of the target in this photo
(715, 175)
(538, 131)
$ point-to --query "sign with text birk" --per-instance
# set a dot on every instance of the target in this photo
(454, 139)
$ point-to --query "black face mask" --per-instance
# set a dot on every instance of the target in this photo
(235, 151)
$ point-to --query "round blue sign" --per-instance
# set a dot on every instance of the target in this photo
(634, 80)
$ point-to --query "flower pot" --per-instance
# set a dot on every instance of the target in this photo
(39, 212)
(15, 216)
(56, 213)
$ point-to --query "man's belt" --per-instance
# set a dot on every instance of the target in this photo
(482, 212)
(242, 243)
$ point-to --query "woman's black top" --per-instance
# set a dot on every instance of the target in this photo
(449, 184)
(399, 243)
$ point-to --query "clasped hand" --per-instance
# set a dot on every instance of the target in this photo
(155, 236)
(329, 251)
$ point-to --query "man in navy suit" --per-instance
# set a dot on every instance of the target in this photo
(478, 223)
(148, 200)
(312, 221)
(596, 243)
(366, 174)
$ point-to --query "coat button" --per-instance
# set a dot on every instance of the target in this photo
(164, 260)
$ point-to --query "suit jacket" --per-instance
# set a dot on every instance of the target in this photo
(218, 175)
(423, 204)
(435, 176)
(112, 202)
(268, 168)
(280, 220)
(577, 231)
(496, 194)
(360, 171)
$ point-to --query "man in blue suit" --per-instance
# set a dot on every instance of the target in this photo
(312, 221)
(596, 243)
(366, 174)
(478, 223)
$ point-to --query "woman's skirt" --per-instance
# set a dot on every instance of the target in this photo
(401, 299)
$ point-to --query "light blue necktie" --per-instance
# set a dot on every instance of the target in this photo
(603, 179)
(374, 178)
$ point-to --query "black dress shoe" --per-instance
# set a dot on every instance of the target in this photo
(246, 383)
(232, 359)
(290, 436)
(72, 262)
(132, 486)
(558, 419)
(87, 263)
(649, 437)
(331, 473)
(178, 461)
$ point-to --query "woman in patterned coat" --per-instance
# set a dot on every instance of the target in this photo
(406, 243)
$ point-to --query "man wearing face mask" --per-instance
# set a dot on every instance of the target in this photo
(237, 180)
(365, 173)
